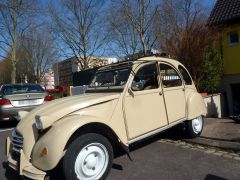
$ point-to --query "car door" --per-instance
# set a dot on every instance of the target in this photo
(144, 105)
(174, 93)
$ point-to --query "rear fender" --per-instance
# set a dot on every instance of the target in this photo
(195, 106)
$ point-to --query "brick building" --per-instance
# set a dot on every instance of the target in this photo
(64, 70)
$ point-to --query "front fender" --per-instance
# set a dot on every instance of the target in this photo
(195, 106)
(56, 139)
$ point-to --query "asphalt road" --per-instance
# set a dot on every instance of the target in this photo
(153, 160)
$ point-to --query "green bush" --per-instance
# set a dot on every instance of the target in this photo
(212, 72)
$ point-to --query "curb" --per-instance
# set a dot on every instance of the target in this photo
(203, 148)
(227, 145)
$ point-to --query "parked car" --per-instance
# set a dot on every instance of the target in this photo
(236, 118)
(20, 97)
(125, 102)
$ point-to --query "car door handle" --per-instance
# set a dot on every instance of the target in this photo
(160, 93)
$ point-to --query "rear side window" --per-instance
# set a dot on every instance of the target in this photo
(169, 76)
(186, 76)
(19, 89)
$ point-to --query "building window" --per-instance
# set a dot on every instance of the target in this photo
(233, 38)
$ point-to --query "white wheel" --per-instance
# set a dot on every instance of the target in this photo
(89, 156)
(194, 127)
(91, 162)
(197, 124)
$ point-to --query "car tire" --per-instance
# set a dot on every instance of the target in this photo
(194, 127)
(88, 157)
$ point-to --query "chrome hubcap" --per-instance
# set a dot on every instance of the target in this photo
(91, 162)
(197, 124)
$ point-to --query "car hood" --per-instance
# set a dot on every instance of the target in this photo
(55, 110)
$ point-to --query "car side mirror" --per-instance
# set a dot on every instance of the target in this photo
(130, 92)
(137, 86)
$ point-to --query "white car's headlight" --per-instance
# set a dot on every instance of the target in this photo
(38, 122)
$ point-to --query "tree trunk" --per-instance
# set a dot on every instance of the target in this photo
(13, 74)
(13, 60)
(144, 46)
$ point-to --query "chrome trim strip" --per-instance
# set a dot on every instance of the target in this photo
(155, 131)
(17, 150)
(18, 145)
(17, 141)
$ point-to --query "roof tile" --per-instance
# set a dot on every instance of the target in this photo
(225, 11)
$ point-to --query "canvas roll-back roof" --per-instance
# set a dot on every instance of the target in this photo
(129, 63)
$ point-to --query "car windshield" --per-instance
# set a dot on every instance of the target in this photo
(19, 89)
(111, 76)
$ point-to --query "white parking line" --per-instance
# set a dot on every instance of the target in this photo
(3, 130)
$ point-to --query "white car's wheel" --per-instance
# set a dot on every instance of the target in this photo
(88, 157)
(194, 127)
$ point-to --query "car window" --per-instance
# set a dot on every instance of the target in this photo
(185, 74)
(146, 78)
(18, 89)
(169, 76)
(117, 77)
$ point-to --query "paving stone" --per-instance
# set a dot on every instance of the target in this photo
(178, 145)
(210, 151)
(234, 154)
(182, 143)
(223, 152)
(188, 146)
(218, 154)
(237, 158)
(200, 147)
(227, 156)
(185, 147)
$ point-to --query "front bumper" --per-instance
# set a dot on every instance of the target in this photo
(21, 164)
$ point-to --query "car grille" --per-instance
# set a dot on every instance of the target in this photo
(17, 141)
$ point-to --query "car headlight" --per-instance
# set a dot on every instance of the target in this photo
(38, 123)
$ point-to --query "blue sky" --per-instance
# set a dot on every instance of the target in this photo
(209, 3)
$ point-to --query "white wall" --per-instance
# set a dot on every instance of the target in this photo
(213, 103)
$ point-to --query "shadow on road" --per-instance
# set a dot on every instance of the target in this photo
(117, 167)
(174, 133)
(10, 174)
(213, 177)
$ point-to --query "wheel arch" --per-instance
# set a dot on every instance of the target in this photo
(102, 129)
(67, 130)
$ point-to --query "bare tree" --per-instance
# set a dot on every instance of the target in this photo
(140, 14)
(13, 25)
(37, 54)
(123, 36)
(5, 68)
(79, 28)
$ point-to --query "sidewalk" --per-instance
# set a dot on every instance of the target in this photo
(221, 133)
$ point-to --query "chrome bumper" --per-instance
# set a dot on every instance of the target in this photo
(22, 165)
